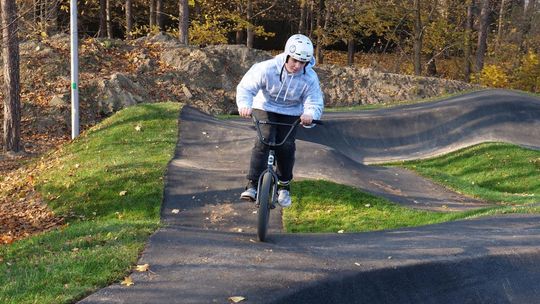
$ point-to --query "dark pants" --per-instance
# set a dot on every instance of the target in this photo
(284, 154)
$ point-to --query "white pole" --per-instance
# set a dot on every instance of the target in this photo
(74, 71)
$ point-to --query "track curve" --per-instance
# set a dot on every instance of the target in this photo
(207, 252)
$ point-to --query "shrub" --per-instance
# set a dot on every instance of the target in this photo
(492, 76)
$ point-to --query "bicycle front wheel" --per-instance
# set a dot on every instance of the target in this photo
(265, 195)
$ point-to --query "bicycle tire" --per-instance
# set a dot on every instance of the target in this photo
(265, 196)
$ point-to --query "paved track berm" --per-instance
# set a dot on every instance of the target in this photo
(208, 251)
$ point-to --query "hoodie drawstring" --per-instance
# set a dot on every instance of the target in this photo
(281, 86)
(288, 86)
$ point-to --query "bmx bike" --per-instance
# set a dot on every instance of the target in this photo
(267, 190)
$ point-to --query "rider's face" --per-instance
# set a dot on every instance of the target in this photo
(293, 66)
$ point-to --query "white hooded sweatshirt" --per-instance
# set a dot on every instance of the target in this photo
(268, 86)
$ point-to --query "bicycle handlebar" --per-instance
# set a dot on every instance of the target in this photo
(291, 126)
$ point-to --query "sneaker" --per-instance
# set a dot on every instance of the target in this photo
(250, 194)
(284, 198)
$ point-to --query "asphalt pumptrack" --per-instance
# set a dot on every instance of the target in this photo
(207, 250)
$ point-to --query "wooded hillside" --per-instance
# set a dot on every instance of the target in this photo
(493, 42)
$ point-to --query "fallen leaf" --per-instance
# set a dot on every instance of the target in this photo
(122, 193)
(142, 268)
(138, 128)
(175, 211)
(236, 299)
(127, 281)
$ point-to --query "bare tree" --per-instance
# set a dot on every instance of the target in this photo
(418, 38)
(129, 18)
(10, 56)
(350, 51)
(501, 21)
(250, 34)
(302, 23)
(467, 43)
(159, 15)
(183, 24)
(526, 23)
(320, 31)
(152, 16)
(109, 21)
(483, 29)
(102, 32)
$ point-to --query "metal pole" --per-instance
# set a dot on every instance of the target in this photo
(74, 71)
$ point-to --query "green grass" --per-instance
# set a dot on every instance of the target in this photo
(504, 174)
(495, 172)
(322, 206)
(106, 228)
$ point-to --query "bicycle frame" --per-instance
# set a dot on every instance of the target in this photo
(267, 192)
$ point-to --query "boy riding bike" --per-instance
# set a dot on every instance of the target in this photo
(281, 90)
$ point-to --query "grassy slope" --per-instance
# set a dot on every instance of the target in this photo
(507, 175)
(106, 227)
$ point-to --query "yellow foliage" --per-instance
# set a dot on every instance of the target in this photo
(528, 75)
(493, 76)
(209, 32)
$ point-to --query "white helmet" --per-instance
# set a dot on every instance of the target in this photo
(299, 47)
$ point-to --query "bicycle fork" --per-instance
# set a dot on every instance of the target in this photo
(270, 169)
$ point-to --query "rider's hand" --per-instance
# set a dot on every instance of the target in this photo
(306, 119)
(244, 112)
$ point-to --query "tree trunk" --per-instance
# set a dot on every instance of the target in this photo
(302, 23)
(152, 19)
(239, 37)
(102, 32)
(500, 24)
(482, 36)
(311, 18)
(10, 56)
(350, 52)
(129, 19)
(250, 33)
(109, 21)
(467, 45)
(431, 68)
(159, 15)
(526, 24)
(183, 24)
(418, 37)
(327, 16)
(319, 47)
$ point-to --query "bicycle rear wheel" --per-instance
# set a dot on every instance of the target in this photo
(265, 196)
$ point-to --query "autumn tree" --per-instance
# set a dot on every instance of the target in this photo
(10, 56)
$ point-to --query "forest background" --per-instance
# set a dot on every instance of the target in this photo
(491, 42)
